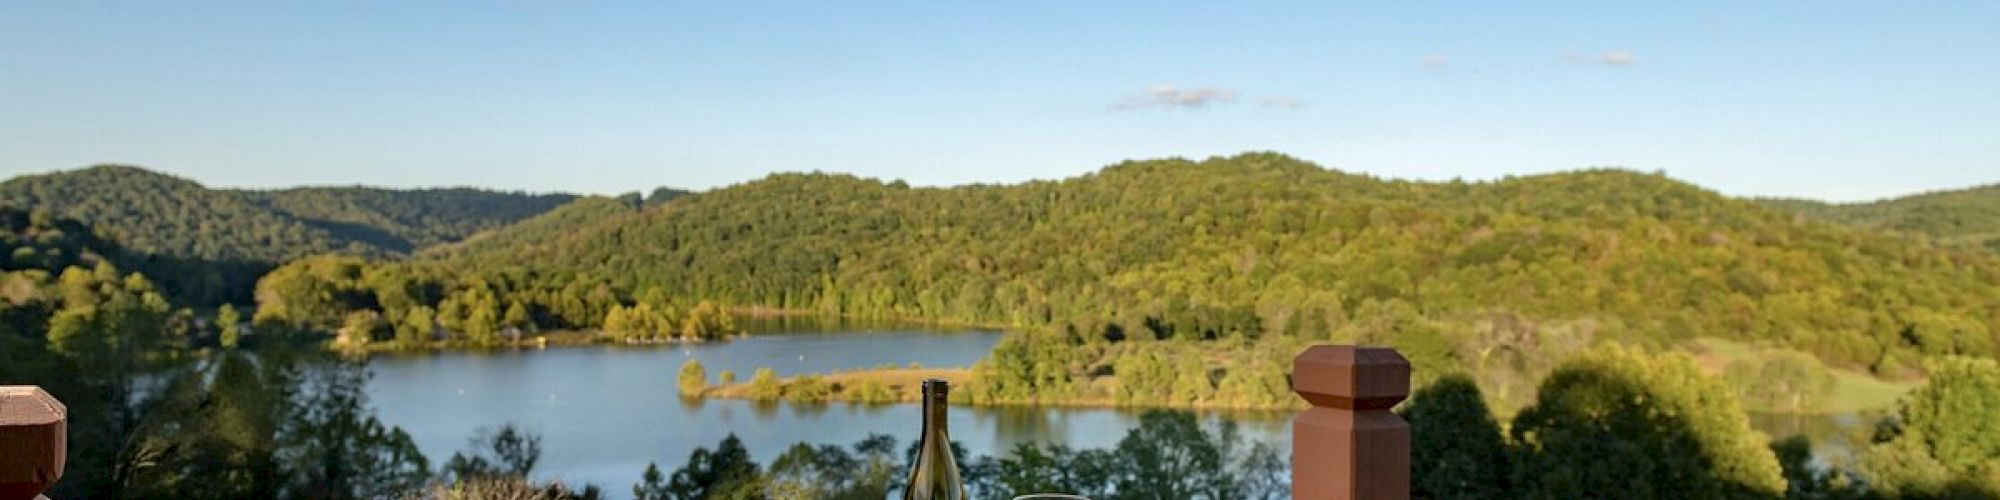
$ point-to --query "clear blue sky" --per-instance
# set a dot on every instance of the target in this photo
(1840, 100)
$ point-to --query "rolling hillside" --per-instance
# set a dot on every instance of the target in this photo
(1247, 247)
(241, 233)
(1964, 217)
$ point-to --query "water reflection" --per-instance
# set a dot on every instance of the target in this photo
(605, 412)
(1837, 439)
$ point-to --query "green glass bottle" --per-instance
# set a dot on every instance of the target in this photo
(935, 475)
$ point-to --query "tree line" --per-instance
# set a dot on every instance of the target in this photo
(1168, 455)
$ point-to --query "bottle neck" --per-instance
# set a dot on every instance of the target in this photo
(935, 403)
(934, 413)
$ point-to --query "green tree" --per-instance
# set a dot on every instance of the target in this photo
(705, 321)
(1944, 440)
(652, 485)
(1615, 419)
(871, 391)
(1953, 413)
(808, 389)
(1781, 380)
(416, 328)
(75, 331)
(693, 378)
(618, 323)
(764, 385)
(867, 472)
(229, 324)
(482, 322)
(1456, 448)
(1169, 456)
(451, 315)
(725, 473)
(510, 451)
(339, 449)
(517, 316)
(359, 328)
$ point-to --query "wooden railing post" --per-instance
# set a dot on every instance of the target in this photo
(1349, 445)
(34, 441)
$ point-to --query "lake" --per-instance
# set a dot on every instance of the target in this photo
(604, 412)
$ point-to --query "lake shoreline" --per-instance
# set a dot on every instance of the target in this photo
(573, 338)
(902, 384)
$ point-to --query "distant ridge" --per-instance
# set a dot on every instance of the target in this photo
(158, 213)
(242, 233)
(1969, 216)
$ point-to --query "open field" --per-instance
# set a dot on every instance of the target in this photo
(1854, 391)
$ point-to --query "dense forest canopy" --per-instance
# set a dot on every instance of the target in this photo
(1250, 246)
(1961, 216)
(242, 233)
(159, 213)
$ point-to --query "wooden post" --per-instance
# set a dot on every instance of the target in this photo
(34, 441)
(1349, 445)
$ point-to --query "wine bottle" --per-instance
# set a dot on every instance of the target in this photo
(935, 475)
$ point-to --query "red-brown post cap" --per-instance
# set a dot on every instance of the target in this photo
(1351, 377)
(34, 441)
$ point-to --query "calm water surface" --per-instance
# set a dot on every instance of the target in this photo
(604, 412)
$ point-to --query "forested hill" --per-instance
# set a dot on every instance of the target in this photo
(1965, 216)
(1257, 245)
(544, 228)
(158, 213)
(402, 221)
(241, 233)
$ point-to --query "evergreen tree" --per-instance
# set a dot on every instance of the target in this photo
(652, 485)
(726, 472)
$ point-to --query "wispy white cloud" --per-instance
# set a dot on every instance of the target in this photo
(1165, 96)
(1608, 58)
(1280, 102)
(1435, 62)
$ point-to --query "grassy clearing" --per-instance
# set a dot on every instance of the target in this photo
(1854, 391)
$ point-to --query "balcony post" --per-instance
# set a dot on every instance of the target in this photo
(34, 441)
(1348, 445)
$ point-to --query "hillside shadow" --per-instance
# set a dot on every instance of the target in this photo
(362, 233)
(186, 280)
